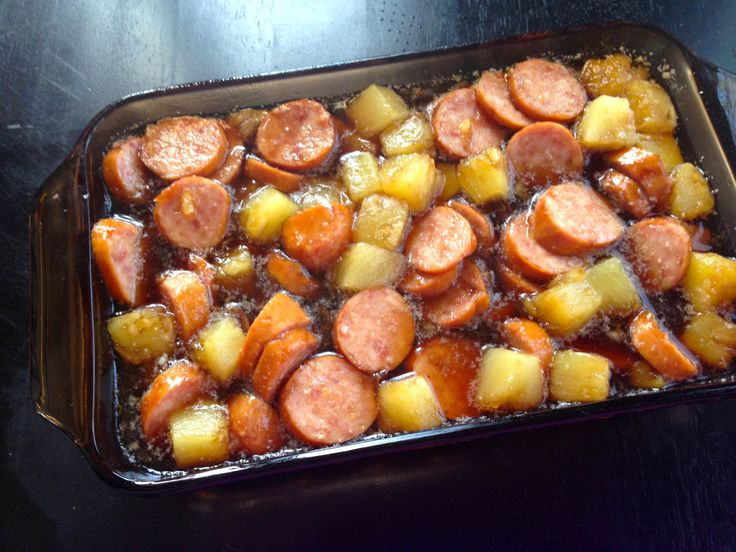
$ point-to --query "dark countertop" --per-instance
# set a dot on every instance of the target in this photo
(661, 479)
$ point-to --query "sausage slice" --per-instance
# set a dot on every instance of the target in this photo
(480, 223)
(514, 282)
(492, 94)
(647, 170)
(116, 245)
(126, 176)
(625, 194)
(230, 168)
(297, 135)
(571, 219)
(659, 252)
(461, 303)
(328, 401)
(266, 174)
(660, 349)
(188, 297)
(291, 275)
(439, 241)
(546, 90)
(193, 212)
(255, 427)
(429, 285)
(374, 330)
(461, 128)
(529, 337)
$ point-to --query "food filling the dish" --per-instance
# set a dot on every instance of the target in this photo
(312, 273)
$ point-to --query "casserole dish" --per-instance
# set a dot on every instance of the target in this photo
(75, 379)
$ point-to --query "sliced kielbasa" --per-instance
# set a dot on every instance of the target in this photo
(647, 170)
(571, 219)
(116, 245)
(188, 297)
(514, 282)
(660, 349)
(230, 168)
(255, 427)
(266, 174)
(374, 329)
(429, 285)
(291, 275)
(461, 303)
(439, 240)
(480, 223)
(327, 401)
(625, 194)
(529, 337)
(492, 94)
(127, 178)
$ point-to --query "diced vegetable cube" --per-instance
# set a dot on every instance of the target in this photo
(199, 434)
(236, 270)
(265, 213)
(142, 334)
(615, 287)
(610, 75)
(359, 172)
(711, 338)
(218, 348)
(381, 221)
(579, 377)
(607, 124)
(643, 376)
(375, 108)
(408, 403)
(565, 308)
(710, 280)
(653, 109)
(509, 381)
(413, 135)
(322, 191)
(451, 183)
(365, 265)
(663, 145)
(484, 177)
(691, 197)
(410, 177)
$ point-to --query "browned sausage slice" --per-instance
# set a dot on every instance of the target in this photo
(461, 128)
(255, 427)
(126, 176)
(524, 255)
(291, 275)
(625, 194)
(188, 297)
(462, 303)
(492, 94)
(184, 146)
(660, 349)
(439, 241)
(659, 252)
(546, 90)
(544, 153)
(374, 329)
(429, 285)
(647, 170)
(328, 401)
(480, 223)
(193, 212)
(513, 282)
(116, 245)
(297, 135)
(571, 219)
(529, 337)
(230, 168)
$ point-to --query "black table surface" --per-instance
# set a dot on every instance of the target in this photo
(662, 479)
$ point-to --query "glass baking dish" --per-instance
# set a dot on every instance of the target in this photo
(73, 368)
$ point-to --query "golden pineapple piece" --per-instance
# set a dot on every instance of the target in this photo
(565, 308)
(142, 334)
(579, 377)
(412, 178)
(413, 135)
(653, 109)
(614, 286)
(265, 213)
(365, 265)
(321, 190)
(663, 145)
(576, 274)
(484, 177)
(643, 376)
(236, 270)
(199, 434)
(408, 403)
(691, 197)
(381, 221)
(359, 172)
(610, 75)
(218, 346)
(509, 381)
(710, 280)
(375, 108)
(711, 338)
(450, 182)
(607, 124)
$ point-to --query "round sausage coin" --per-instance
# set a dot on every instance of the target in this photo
(492, 94)
(126, 176)
(439, 241)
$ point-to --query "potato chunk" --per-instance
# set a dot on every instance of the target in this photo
(712, 339)
(365, 265)
(375, 108)
(643, 376)
(484, 177)
(450, 182)
(610, 75)
(691, 197)
(142, 334)
(265, 213)
(565, 308)
(410, 177)
(579, 377)
(663, 145)
(408, 403)
(381, 221)
(607, 124)
(615, 287)
(218, 346)
(359, 172)
(235, 271)
(199, 434)
(652, 106)
(710, 280)
(509, 381)
(413, 135)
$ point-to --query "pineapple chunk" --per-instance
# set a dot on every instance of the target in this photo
(359, 172)
(142, 334)
(414, 135)
(618, 293)
(365, 265)
(710, 280)
(579, 377)
(484, 177)
(265, 213)
(663, 145)
(450, 183)
(565, 308)
(653, 109)
(322, 191)
(691, 197)
(199, 434)
(712, 339)
(375, 108)
(381, 221)
(610, 75)
(411, 177)
(576, 274)
(607, 124)
(235, 271)
(643, 376)
(218, 348)
(509, 381)
(408, 403)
